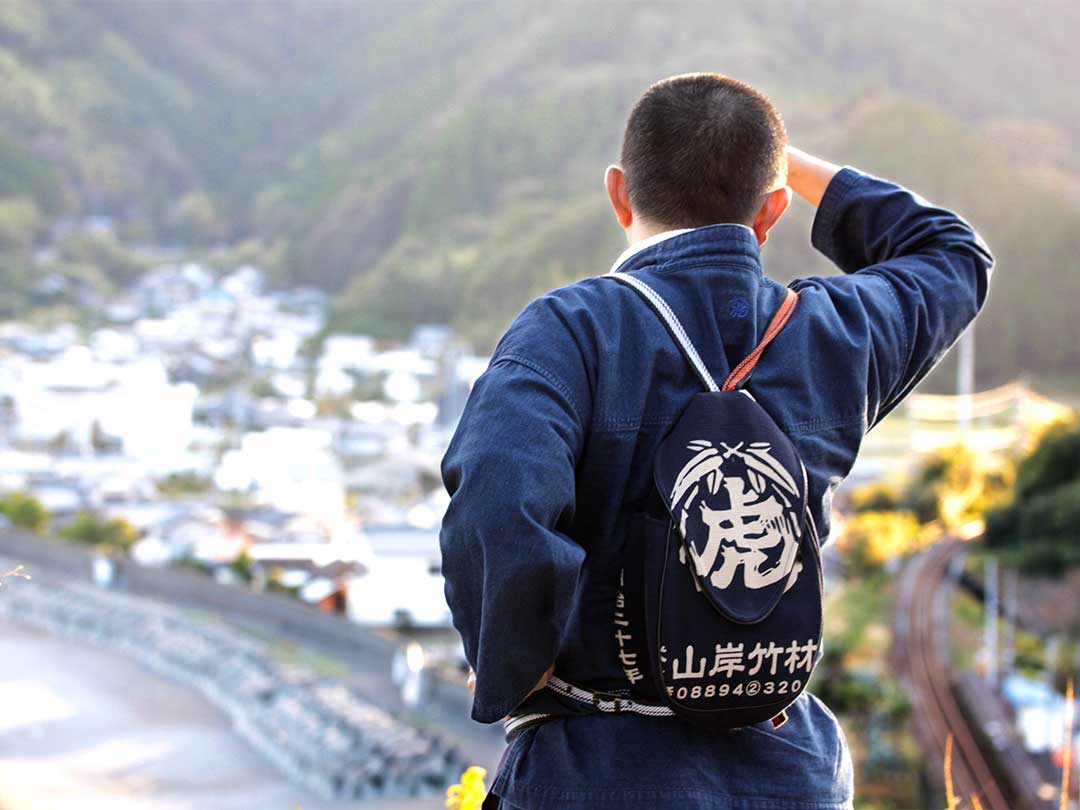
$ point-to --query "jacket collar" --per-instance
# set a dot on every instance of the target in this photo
(724, 243)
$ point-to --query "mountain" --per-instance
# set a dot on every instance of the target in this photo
(443, 161)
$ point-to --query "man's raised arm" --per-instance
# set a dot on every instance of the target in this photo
(917, 274)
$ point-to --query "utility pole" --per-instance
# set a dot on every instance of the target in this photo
(990, 603)
(1008, 631)
(965, 379)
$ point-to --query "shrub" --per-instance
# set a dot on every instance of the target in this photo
(1053, 515)
(1003, 526)
(1054, 462)
(871, 538)
(1042, 560)
(242, 566)
(183, 483)
(24, 511)
(954, 486)
(90, 527)
(876, 497)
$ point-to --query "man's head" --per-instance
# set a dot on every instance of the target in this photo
(700, 149)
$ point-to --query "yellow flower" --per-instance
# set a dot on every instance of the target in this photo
(468, 795)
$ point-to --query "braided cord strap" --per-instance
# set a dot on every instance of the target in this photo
(671, 321)
(741, 373)
(599, 701)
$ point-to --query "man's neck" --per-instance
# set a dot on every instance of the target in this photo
(642, 230)
(646, 241)
(645, 235)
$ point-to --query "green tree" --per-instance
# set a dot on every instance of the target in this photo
(193, 219)
(91, 528)
(1054, 461)
(24, 511)
(20, 222)
(183, 483)
(1038, 526)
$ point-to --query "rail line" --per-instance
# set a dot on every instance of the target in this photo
(921, 638)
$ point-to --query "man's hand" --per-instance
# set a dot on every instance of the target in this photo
(809, 176)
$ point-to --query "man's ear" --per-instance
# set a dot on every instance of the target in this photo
(776, 203)
(615, 183)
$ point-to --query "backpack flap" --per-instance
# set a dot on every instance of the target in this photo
(735, 488)
(721, 674)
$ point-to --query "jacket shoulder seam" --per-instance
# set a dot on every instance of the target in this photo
(529, 363)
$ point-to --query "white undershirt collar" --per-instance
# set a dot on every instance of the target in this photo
(649, 241)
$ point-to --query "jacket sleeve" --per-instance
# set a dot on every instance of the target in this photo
(510, 569)
(916, 276)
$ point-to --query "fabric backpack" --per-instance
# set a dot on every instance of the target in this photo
(718, 617)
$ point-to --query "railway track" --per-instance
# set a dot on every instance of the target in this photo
(920, 654)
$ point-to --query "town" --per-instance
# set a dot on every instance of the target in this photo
(211, 422)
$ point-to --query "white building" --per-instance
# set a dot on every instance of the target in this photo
(341, 355)
(292, 469)
(403, 584)
(276, 351)
(76, 396)
(348, 351)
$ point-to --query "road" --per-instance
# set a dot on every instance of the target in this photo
(88, 729)
(356, 655)
(361, 656)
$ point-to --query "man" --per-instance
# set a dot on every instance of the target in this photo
(555, 446)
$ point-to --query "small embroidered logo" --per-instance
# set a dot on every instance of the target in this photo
(738, 308)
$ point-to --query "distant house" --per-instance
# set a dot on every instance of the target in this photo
(60, 498)
(389, 477)
(269, 525)
(291, 386)
(149, 517)
(429, 340)
(319, 570)
(168, 286)
(75, 395)
(403, 584)
(244, 281)
(184, 531)
(342, 356)
(359, 440)
(292, 468)
(347, 351)
(460, 371)
(122, 487)
(308, 302)
(210, 542)
(278, 350)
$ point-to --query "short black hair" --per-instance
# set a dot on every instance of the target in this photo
(701, 148)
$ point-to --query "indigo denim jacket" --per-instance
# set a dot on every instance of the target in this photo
(555, 446)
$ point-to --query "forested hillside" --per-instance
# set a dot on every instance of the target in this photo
(442, 161)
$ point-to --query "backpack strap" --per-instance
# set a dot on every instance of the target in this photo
(737, 379)
(661, 308)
